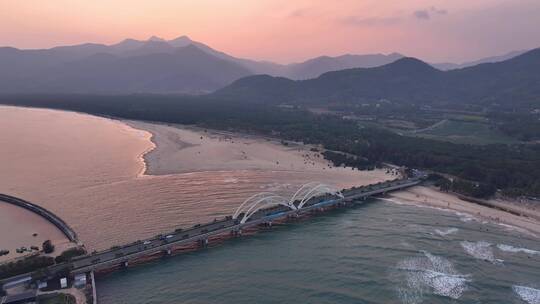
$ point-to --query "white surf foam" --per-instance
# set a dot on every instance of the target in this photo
(391, 200)
(480, 250)
(527, 294)
(512, 249)
(465, 217)
(433, 274)
(517, 229)
(446, 231)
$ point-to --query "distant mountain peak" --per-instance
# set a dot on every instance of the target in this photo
(127, 44)
(410, 63)
(409, 60)
(453, 66)
(156, 38)
(181, 38)
(396, 54)
(128, 40)
(181, 41)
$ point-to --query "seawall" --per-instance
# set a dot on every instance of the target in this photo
(51, 217)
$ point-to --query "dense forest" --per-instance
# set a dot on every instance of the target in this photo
(524, 127)
(514, 169)
(25, 265)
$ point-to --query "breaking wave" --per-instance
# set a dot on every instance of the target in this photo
(446, 232)
(508, 248)
(528, 294)
(480, 250)
(429, 274)
(464, 217)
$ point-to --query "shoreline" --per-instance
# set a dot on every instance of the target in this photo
(180, 149)
(430, 197)
(31, 229)
(498, 211)
(271, 149)
(55, 220)
(141, 158)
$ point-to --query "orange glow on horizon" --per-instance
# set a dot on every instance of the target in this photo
(283, 30)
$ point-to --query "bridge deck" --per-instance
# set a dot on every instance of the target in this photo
(151, 246)
(120, 254)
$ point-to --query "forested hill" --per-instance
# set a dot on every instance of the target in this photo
(511, 82)
(186, 69)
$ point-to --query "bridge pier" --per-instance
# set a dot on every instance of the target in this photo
(294, 215)
(236, 232)
(203, 243)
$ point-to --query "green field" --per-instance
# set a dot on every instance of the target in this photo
(464, 132)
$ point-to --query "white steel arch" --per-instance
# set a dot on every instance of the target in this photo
(258, 201)
(248, 200)
(264, 202)
(316, 191)
(303, 190)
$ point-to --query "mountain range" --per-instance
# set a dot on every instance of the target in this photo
(511, 82)
(156, 65)
(454, 66)
(131, 66)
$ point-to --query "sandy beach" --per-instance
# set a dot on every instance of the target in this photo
(432, 197)
(183, 149)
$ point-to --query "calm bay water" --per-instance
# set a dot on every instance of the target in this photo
(377, 253)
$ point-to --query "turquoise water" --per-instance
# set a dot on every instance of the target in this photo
(377, 253)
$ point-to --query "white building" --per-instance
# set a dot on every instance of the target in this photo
(63, 283)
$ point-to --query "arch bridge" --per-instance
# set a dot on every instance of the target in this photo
(297, 201)
(260, 208)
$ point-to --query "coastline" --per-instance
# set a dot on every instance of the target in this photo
(31, 230)
(498, 211)
(424, 196)
(179, 149)
(233, 145)
(141, 158)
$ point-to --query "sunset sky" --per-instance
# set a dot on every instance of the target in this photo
(284, 30)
